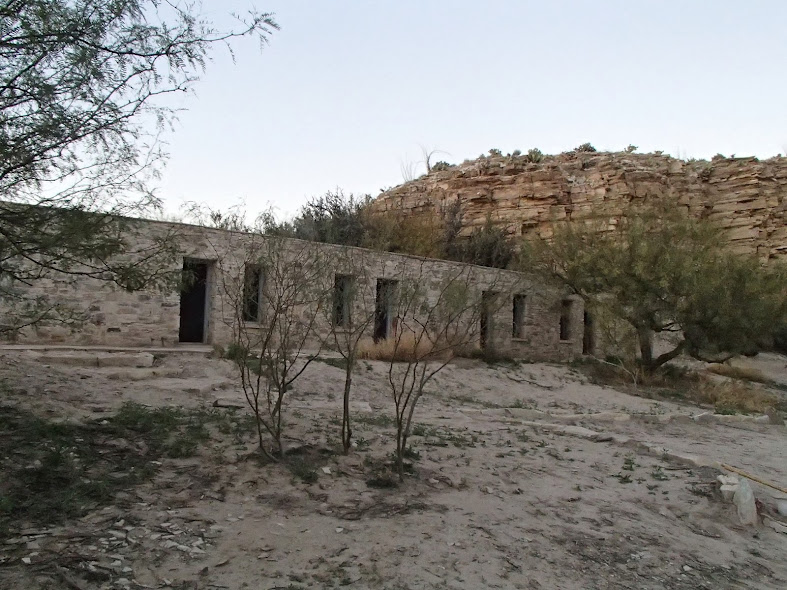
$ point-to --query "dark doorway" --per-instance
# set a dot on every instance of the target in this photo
(193, 296)
(487, 300)
(566, 311)
(383, 308)
(588, 338)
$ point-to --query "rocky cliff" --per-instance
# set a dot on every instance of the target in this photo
(747, 196)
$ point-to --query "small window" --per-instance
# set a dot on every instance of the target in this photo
(342, 300)
(520, 305)
(566, 329)
(252, 291)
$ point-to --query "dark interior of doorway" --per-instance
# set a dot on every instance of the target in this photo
(382, 309)
(192, 301)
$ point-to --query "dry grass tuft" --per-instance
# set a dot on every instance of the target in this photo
(733, 397)
(672, 382)
(741, 373)
(406, 349)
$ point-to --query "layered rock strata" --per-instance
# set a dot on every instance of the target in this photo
(747, 196)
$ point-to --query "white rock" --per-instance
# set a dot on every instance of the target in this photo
(728, 480)
(781, 507)
(744, 500)
(728, 492)
(326, 470)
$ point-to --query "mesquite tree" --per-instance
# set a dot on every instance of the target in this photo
(434, 320)
(276, 290)
(82, 84)
(661, 271)
(351, 314)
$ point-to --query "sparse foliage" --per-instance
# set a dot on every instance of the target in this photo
(350, 316)
(534, 155)
(407, 234)
(488, 246)
(434, 320)
(664, 272)
(276, 294)
(81, 83)
(441, 166)
(332, 218)
(585, 147)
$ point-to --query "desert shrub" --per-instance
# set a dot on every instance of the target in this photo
(534, 155)
(332, 218)
(630, 149)
(740, 373)
(236, 352)
(488, 245)
(732, 397)
(388, 349)
(494, 152)
(441, 166)
(585, 147)
(408, 234)
(668, 276)
(780, 339)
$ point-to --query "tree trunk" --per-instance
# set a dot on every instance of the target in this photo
(650, 364)
(400, 448)
(346, 430)
(645, 337)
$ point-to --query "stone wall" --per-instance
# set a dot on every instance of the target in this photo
(748, 197)
(151, 318)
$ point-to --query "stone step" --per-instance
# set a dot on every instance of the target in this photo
(87, 358)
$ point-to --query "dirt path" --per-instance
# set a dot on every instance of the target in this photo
(492, 503)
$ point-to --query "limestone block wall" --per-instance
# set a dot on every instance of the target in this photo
(113, 316)
(746, 196)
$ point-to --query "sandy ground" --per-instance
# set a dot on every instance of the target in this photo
(498, 498)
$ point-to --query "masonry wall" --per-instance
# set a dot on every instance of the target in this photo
(151, 318)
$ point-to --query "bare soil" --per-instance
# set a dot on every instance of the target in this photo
(497, 497)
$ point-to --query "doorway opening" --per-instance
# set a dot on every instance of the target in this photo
(193, 301)
(383, 309)
(589, 337)
(487, 316)
(566, 317)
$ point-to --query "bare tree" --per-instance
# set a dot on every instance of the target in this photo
(276, 291)
(428, 154)
(351, 314)
(435, 319)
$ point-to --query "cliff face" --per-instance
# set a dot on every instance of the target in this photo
(746, 196)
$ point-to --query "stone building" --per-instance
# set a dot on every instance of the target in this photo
(228, 274)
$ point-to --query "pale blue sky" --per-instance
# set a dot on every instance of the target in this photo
(347, 90)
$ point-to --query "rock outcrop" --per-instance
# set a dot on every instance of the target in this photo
(747, 196)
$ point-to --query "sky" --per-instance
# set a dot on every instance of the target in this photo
(347, 93)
